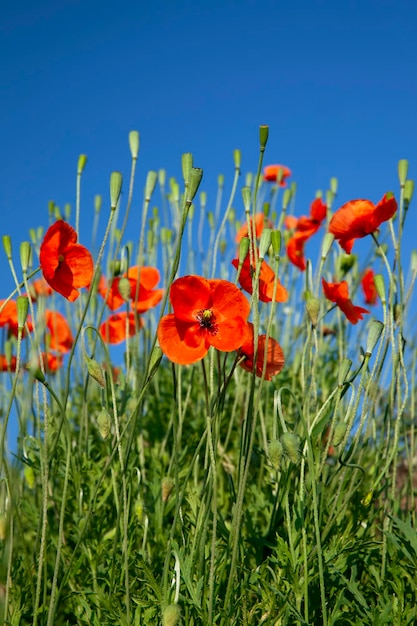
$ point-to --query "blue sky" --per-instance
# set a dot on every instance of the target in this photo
(335, 81)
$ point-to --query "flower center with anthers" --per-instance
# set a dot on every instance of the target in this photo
(207, 320)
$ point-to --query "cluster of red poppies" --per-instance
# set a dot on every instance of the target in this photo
(205, 312)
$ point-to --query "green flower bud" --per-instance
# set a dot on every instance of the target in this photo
(246, 197)
(22, 304)
(380, 287)
(408, 193)
(195, 179)
(134, 143)
(124, 288)
(187, 164)
(402, 171)
(243, 249)
(263, 136)
(327, 244)
(95, 371)
(375, 332)
(237, 158)
(265, 242)
(313, 308)
(116, 180)
(276, 242)
(162, 176)
(333, 185)
(150, 184)
(291, 444)
(275, 452)
(286, 198)
(25, 254)
(7, 245)
(171, 615)
(82, 161)
(104, 423)
(98, 201)
(344, 370)
(339, 433)
(167, 487)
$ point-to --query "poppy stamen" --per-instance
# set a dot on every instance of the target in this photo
(207, 320)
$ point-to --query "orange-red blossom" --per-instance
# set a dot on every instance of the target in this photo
(304, 228)
(66, 265)
(368, 286)
(274, 355)
(359, 218)
(205, 313)
(266, 281)
(141, 290)
(271, 174)
(339, 294)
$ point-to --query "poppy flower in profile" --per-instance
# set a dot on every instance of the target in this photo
(66, 265)
(266, 281)
(359, 218)
(205, 313)
(271, 174)
(259, 226)
(368, 287)
(120, 326)
(275, 357)
(304, 227)
(339, 294)
(60, 336)
(7, 365)
(140, 289)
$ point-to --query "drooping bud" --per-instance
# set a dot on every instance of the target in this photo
(339, 433)
(291, 444)
(95, 371)
(124, 288)
(275, 452)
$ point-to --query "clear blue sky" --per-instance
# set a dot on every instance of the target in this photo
(335, 81)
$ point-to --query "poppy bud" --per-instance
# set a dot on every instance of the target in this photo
(246, 197)
(124, 288)
(25, 254)
(98, 201)
(263, 138)
(104, 423)
(333, 185)
(167, 487)
(344, 370)
(7, 245)
(243, 249)
(329, 198)
(22, 304)
(367, 499)
(203, 201)
(237, 158)
(134, 143)
(327, 244)
(187, 164)
(139, 509)
(210, 219)
(266, 207)
(265, 242)
(380, 287)
(375, 331)
(313, 308)
(82, 160)
(402, 171)
(408, 193)
(150, 184)
(162, 176)
(171, 615)
(291, 444)
(276, 242)
(154, 362)
(29, 475)
(249, 179)
(116, 180)
(286, 197)
(195, 179)
(339, 433)
(275, 452)
(95, 371)
(346, 262)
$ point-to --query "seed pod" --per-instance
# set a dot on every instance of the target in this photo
(171, 615)
(104, 423)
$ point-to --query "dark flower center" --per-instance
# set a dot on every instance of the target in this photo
(207, 320)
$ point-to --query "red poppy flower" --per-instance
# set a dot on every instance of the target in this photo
(304, 227)
(6, 365)
(368, 286)
(61, 338)
(259, 226)
(119, 326)
(266, 281)
(275, 356)
(271, 173)
(339, 293)
(66, 264)
(205, 313)
(52, 362)
(144, 298)
(359, 218)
